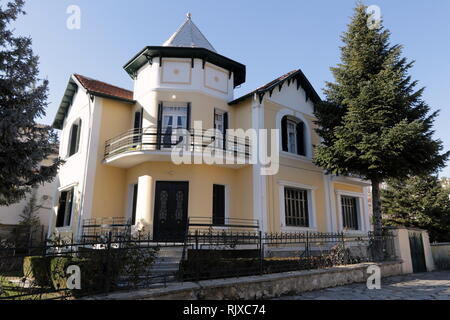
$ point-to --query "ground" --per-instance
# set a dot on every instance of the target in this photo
(419, 286)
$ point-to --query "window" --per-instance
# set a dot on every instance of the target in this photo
(221, 124)
(296, 207)
(293, 135)
(349, 212)
(64, 209)
(172, 116)
(218, 204)
(74, 138)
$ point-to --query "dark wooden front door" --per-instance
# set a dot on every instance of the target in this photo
(171, 210)
(417, 252)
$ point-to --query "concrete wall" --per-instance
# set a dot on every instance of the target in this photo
(262, 287)
(403, 249)
(441, 255)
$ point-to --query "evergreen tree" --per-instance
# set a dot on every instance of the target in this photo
(23, 99)
(419, 201)
(374, 123)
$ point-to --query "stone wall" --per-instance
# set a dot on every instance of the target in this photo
(262, 287)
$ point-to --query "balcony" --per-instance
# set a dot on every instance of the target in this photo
(140, 145)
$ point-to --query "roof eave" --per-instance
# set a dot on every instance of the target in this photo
(150, 52)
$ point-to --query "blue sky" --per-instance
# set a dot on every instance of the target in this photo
(269, 37)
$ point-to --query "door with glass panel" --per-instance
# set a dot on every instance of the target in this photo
(173, 117)
(171, 210)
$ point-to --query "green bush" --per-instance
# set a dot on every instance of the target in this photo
(92, 275)
(37, 269)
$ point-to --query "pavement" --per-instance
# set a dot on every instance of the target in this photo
(418, 286)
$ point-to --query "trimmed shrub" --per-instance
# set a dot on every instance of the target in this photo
(37, 269)
(92, 276)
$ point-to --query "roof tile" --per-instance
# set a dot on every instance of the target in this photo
(104, 88)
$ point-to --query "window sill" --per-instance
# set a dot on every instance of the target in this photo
(295, 156)
(353, 232)
(297, 229)
(63, 229)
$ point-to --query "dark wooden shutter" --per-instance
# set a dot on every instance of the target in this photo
(61, 209)
(284, 137)
(133, 212)
(301, 139)
(69, 208)
(77, 144)
(73, 139)
(188, 117)
(218, 204)
(137, 126)
(159, 126)
(225, 128)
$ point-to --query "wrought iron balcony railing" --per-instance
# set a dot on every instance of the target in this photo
(154, 139)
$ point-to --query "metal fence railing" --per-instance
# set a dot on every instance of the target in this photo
(195, 140)
(111, 263)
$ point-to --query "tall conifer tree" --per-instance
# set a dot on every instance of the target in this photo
(23, 99)
(374, 122)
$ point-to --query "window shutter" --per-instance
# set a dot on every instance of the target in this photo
(78, 136)
(73, 139)
(137, 126)
(69, 204)
(284, 137)
(218, 204)
(301, 139)
(225, 128)
(61, 209)
(133, 213)
(159, 126)
(188, 117)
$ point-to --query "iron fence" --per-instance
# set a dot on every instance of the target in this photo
(196, 140)
(130, 262)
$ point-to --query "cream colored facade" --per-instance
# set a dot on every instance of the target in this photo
(103, 183)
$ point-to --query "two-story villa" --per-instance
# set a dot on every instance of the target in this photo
(118, 145)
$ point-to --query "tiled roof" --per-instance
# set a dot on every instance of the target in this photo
(103, 88)
(188, 35)
(94, 87)
(290, 76)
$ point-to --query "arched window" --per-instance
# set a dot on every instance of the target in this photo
(293, 135)
(74, 138)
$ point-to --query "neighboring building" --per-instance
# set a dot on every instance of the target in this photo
(10, 216)
(117, 146)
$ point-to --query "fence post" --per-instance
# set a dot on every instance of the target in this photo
(261, 253)
(343, 247)
(108, 260)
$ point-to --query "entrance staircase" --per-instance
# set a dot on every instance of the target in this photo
(166, 264)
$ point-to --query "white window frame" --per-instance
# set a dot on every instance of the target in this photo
(360, 202)
(72, 209)
(80, 137)
(307, 135)
(291, 124)
(311, 206)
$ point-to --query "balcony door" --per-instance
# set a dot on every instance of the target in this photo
(171, 211)
(174, 116)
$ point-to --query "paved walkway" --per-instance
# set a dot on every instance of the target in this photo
(419, 286)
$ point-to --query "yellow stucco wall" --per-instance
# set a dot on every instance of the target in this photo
(109, 187)
(201, 179)
(348, 187)
(202, 106)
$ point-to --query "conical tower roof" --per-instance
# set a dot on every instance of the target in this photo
(188, 35)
